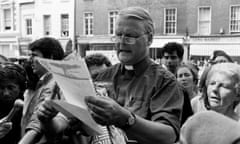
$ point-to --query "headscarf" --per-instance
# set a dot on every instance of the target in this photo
(210, 127)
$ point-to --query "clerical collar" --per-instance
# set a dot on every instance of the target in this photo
(128, 67)
(137, 68)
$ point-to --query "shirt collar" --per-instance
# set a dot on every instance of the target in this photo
(138, 68)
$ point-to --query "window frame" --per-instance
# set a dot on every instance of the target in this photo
(165, 21)
(46, 26)
(112, 26)
(28, 27)
(64, 26)
(230, 19)
(90, 24)
(10, 18)
(210, 20)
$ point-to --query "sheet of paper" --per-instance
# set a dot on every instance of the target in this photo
(74, 80)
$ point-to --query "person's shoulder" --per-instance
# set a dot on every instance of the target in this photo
(161, 71)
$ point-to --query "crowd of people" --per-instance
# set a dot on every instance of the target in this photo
(138, 101)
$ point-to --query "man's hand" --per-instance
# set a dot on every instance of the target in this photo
(5, 128)
(106, 111)
(46, 111)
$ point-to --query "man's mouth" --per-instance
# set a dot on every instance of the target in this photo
(127, 51)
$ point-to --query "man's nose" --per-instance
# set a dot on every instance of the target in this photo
(120, 45)
(169, 60)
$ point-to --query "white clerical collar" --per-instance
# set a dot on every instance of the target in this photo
(128, 67)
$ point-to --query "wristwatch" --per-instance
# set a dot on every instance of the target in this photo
(130, 121)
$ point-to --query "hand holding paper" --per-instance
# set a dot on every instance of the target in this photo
(75, 82)
(106, 111)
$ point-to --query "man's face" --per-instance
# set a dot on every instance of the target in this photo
(171, 61)
(36, 66)
(131, 54)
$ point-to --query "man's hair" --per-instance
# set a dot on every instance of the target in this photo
(97, 59)
(140, 14)
(171, 47)
(49, 47)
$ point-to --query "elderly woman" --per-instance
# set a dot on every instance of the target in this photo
(221, 92)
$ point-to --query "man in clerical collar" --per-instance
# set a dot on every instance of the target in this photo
(147, 105)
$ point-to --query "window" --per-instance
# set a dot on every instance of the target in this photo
(170, 21)
(112, 22)
(204, 20)
(28, 26)
(47, 24)
(7, 19)
(88, 24)
(235, 19)
(64, 25)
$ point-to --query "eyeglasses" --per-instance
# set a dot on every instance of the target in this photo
(126, 39)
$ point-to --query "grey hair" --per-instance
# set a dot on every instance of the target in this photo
(140, 14)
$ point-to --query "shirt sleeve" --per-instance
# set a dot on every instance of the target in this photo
(46, 92)
(166, 104)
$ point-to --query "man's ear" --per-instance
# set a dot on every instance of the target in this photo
(150, 39)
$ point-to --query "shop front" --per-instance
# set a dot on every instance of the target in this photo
(201, 48)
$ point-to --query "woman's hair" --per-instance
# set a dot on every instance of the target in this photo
(230, 69)
(14, 73)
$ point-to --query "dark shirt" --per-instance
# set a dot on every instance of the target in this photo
(187, 108)
(149, 91)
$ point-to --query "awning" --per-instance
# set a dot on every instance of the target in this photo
(207, 49)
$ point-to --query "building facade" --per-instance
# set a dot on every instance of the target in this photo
(212, 25)
(200, 25)
(23, 21)
(96, 21)
(9, 28)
